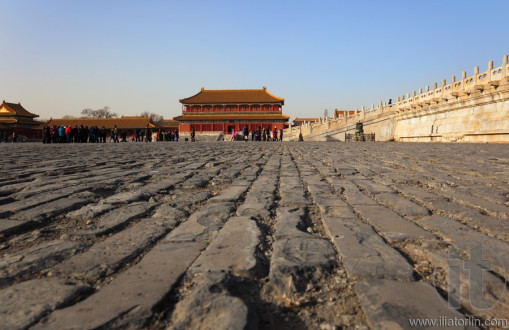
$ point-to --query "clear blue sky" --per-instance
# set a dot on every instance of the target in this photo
(58, 57)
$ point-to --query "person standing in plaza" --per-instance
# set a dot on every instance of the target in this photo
(233, 134)
(148, 134)
(68, 134)
(44, 134)
(245, 133)
(115, 134)
(193, 134)
(61, 134)
(103, 134)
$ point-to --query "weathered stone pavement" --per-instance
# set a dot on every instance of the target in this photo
(264, 235)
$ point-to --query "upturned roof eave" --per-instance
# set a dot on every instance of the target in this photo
(250, 99)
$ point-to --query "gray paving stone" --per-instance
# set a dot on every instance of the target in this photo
(363, 252)
(127, 197)
(352, 193)
(487, 207)
(169, 212)
(6, 200)
(292, 192)
(290, 222)
(416, 193)
(105, 257)
(196, 182)
(255, 209)
(135, 292)
(186, 201)
(90, 211)
(490, 299)
(16, 206)
(401, 205)
(117, 218)
(371, 198)
(298, 263)
(231, 194)
(232, 249)
(25, 303)
(372, 188)
(49, 210)
(390, 224)
(491, 226)
(36, 258)
(10, 226)
(203, 224)
(316, 184)
(466, 238)
(37, 210)
(45, 186)
(210, 306)
(390, 304)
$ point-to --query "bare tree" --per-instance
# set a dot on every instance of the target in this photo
(68, 117)
(154, 116)
(103, 112)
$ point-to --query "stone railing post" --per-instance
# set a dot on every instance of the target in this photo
(453, 80)
(504, 66)
(463, 78)
(363, 112)
(476, 75)
(490, 68)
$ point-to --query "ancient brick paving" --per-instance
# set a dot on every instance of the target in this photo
(250, 235)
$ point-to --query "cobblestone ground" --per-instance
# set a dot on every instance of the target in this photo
(252, 235)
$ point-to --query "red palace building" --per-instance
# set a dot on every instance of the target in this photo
(223, 110)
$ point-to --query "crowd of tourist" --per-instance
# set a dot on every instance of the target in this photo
(94, 134)
(261, 134)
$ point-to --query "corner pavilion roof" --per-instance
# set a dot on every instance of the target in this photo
(13, 109)
(232, 96)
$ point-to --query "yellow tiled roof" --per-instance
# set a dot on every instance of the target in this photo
(109, 123)
(17, 109)
(168, 123)
(232, 96)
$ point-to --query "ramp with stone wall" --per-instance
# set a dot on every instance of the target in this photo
(472, 109)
